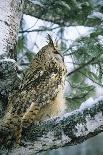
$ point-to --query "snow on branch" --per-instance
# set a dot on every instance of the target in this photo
(8, 74)
(70, 129)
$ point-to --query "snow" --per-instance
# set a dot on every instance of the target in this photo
(100, 39)
(70, 33)
(66, 115)
(74, 32)
(65, 138)
(8, 60)
(96, 15)
(69, 63)
(16, 66)
(19, 68)
(13, 61)
(97, 2)
(80, 130)
(37, 3)
(88, 103)
(65, 5)
(2, 53)
(100, 98)
(92, 123)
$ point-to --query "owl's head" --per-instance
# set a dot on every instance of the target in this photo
(53, 50)
(53, 54)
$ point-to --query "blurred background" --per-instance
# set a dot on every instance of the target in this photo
(77, 27)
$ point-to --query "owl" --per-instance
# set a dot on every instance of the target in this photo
(40, 94)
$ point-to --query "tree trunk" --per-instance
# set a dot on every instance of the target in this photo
(10, 15)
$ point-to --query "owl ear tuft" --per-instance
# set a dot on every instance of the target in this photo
(50, 40)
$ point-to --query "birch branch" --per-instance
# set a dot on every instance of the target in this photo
(70, 129)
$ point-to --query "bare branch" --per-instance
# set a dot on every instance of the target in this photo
(39, 30)
(94, 81)
(84, 65)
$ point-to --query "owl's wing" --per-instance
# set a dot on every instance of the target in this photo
(30, 77)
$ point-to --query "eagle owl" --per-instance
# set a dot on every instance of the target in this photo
(40, 95)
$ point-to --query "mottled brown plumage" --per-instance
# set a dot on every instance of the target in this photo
(41, 91)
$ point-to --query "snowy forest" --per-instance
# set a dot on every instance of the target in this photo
(77, 27)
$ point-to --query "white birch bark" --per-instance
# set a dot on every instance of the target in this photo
(10, 15)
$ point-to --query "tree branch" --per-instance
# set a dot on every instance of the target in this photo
(39, 30)
(9, 80)
(84, 65)
(70, 129)
(76, 12)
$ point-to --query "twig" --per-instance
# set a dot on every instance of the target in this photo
(39, 30)
(83, 65)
